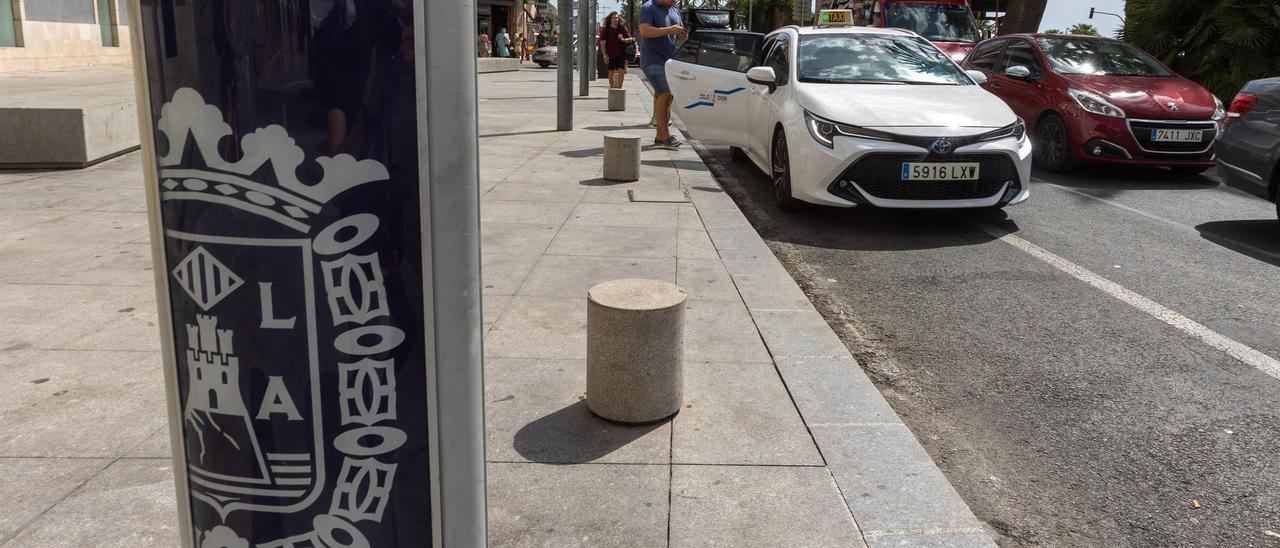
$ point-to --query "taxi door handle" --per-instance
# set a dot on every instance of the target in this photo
(684, 75)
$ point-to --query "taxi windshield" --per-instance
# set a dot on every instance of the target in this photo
(874, 59)
(938, 22)
(1098, 57)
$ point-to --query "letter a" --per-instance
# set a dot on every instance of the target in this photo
(269, 319)
(277, 400)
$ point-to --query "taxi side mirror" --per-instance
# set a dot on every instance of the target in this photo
(977, 76)
(764, 76)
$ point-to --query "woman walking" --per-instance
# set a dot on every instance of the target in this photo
(613, 41)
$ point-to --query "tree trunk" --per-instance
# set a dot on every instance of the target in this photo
(1023, 16)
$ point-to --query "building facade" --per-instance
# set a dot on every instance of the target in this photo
(52, 34)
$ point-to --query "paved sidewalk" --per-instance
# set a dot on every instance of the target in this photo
(783, 440)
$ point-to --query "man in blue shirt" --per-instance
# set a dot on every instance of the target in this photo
(660, 28)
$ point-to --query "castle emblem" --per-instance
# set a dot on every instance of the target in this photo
(256, 279)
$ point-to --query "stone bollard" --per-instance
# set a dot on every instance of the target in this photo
(617, 99)
(635, 350)
(621, 158)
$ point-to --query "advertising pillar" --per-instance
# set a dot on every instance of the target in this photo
(311, 174)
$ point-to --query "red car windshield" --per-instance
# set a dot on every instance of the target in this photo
(1099, 58)
(935, 22)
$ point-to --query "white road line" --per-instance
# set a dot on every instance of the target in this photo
(1258, 360)
(1189, 229)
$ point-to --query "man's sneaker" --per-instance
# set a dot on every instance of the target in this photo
(670, 143)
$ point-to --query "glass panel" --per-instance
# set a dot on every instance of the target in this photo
(729, 51)
(108, 27)
(1100, 57)
(1020, 54)
(8, 36)
(940, 22)
(875, 59)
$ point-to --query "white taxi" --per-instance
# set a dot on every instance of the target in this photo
(853, 116)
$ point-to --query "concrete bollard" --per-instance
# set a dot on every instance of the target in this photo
(635, 350)
(621, 158)
(617, 99)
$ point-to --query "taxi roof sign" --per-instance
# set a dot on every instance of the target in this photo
(834, 18)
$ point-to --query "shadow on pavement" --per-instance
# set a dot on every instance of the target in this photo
(1256, 238)
(512, 133)
(615, 128)
(574, 435)
(1113, 179)
(583, 153)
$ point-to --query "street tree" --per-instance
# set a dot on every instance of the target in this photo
(1023, 16)
(1084, 29)
(1222, 44)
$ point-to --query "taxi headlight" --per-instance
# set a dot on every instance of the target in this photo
(824, 131)
(1017, 130)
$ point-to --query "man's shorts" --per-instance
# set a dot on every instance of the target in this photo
(657, 75)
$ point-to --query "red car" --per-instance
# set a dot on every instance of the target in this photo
(1096, 100)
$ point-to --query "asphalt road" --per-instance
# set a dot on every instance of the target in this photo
(1041, 370)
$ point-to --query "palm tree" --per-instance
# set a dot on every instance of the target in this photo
(1084, 29)
(1219, 43)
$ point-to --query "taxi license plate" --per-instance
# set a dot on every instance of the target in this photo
(935, 171)
(1177, 135)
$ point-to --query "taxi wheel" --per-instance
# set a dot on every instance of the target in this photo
(1053, 145)
(782, 175)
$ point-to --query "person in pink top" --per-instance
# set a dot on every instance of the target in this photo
(613, 41)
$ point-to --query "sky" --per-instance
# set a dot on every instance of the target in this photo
(1059, 14)
(1062, 14)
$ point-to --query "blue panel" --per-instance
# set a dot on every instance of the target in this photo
(8, 34)
(286, 158)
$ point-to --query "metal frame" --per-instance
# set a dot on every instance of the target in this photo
(450, 208)
(164, 309)
(1128, 123)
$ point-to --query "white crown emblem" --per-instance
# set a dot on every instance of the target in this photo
(290, 202)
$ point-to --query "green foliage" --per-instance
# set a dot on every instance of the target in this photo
(1052, 31)
(1222, 44)
(1084, 29)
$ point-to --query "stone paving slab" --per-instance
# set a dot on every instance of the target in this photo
(758, 506)
(127, 505)
(585, 505)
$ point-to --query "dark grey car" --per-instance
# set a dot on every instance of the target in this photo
(1249, 148)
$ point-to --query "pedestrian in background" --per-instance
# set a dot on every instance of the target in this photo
(613, 40)
(482, 45)
(524, 48)
(502, 43)
(660, 29)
